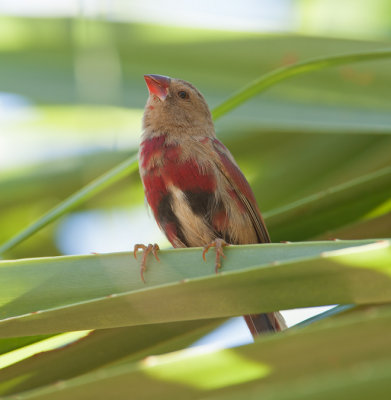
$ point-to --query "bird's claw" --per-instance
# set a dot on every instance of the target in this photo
(151, 248)
(219, 244)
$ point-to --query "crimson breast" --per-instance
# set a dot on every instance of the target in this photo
(163, 167)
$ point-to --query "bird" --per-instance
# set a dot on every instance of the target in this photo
(197, 193)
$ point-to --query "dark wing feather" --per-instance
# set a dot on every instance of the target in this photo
(239, 184)
(257, 323)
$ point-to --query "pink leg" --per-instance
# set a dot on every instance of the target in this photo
(151, 248)
(219, 244)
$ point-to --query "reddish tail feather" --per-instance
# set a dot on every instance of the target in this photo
(259, 324)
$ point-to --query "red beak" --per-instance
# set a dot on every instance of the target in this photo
(158, 85)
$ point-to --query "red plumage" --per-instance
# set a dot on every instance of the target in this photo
(192, 183)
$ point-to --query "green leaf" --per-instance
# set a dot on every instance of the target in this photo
(274, 77)
(73, 201)
(332, 208)
(335, 311)
(364, 229)
(59, 294)
(330, 360)
(10, 344)
(55, 178)
(101, 348)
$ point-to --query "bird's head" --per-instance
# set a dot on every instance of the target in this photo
(175, 107)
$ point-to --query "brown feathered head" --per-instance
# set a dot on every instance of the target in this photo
(175, 107)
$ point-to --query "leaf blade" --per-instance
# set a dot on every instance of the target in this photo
(77, 293)
(110, 177)
(337, 361)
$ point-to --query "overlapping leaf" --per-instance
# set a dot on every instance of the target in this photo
(344, 358)
(98, 349)
(88, 292)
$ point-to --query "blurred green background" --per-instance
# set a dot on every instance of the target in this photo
(72, 94)
(316, 147)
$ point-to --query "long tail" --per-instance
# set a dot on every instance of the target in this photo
(259, 324)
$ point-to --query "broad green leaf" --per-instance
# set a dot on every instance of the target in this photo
(344, 358)
(48, 295)
(332, 208)
(101, 348)
(283, 168)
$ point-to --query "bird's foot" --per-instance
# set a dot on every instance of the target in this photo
(219, 244)
(151, 248)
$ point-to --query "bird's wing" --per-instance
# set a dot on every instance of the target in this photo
(227, 165)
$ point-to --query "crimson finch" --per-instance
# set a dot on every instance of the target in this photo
(197, 193)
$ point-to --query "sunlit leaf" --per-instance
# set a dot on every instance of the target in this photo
(330, 359)
(100, 348)
(48, 295)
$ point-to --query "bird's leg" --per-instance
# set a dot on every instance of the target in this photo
(151, 248)
(219, 244)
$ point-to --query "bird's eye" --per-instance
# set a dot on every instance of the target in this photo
(182, 94)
